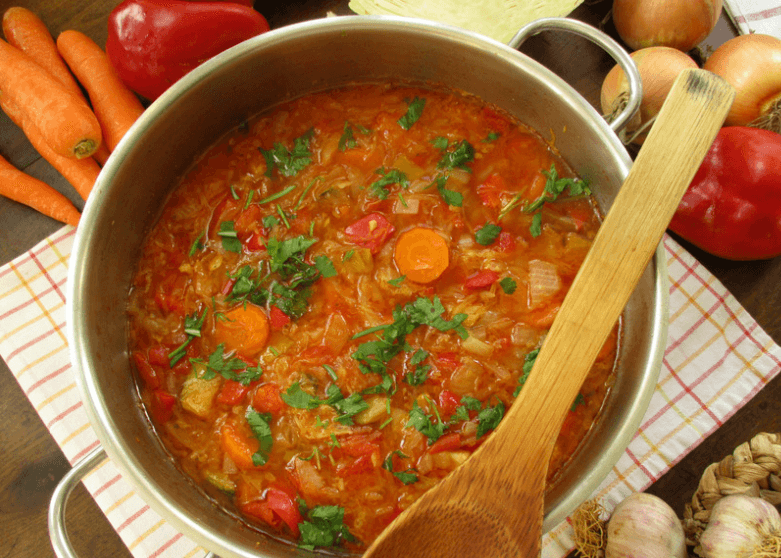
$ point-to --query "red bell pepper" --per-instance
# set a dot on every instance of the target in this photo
(153, 43)
(162, 405)
(370, 232)
(481, 279)
(732, 208)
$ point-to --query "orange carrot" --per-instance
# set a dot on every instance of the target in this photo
(30, 191)
(421, 254)
(116, 107)
(245, 329)
(81, 173)
(66, 122)
(102, 154)
(25, 30)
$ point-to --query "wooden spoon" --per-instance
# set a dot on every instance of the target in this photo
(492, 505)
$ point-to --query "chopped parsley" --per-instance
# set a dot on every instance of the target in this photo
(579, 400)
(406, 477)
(230, 240)
(450, 197)
(492, 136)
(228, 368)
(192, 327)
(278, 195)
(323, 526)
(374, 356)
(489, 418)
(419, 373)
(508, 285)
(347, 141)
(196, 246)
(528, 363)
(457, 155)
(487, 234)
(554, 187)
(393, 176)
(289, 162)
(260, 425)
(285, 279)
(346, 407)
(397, 281)
(414, 112)
(428, 426)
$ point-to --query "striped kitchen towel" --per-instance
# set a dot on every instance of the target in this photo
(755, 16)
(717, 359)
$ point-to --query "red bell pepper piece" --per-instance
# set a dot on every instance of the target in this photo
(358, 466)
(370, 232)
(277, 318)
(286, 507)
(148, 374)
(267, 399)
(448, 442)
(506, 242)
(162, 405)
(481, 279)
(732, 208)
(153, 43)
(448, 402)
(232, 392)
(158, 355)
(360, 444)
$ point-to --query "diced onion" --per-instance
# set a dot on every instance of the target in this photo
(544, 282)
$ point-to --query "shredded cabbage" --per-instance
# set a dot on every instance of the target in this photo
(498, 19)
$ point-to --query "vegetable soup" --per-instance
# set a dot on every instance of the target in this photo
(344, 295)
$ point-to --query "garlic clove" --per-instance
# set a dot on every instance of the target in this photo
(738, 525)
(644, 526)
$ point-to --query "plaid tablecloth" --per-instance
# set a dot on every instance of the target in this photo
(717, 359)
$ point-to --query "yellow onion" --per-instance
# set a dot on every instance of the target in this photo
(680, 24)
(658, 67)
(752, 65)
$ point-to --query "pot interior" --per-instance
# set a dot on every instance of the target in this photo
(249, 79)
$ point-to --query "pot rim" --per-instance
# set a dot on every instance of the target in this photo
(98, 412)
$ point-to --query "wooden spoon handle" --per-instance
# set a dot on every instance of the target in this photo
(493, 504)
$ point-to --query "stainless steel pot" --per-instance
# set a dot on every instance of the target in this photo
(246, 80)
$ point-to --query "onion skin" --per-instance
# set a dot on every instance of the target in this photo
(752, 65)
(658, 67)
(680, 24)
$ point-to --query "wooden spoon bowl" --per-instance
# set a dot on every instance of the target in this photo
(492, 505)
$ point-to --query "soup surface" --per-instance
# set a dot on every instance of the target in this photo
(343, 296)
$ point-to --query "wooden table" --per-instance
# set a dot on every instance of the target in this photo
(32, 463)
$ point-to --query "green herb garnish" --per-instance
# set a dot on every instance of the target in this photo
(230, 239)
(487, 234)
(406, 477)
(260, 425)
(192, 327)
(323, 526)
(414, 112)
(508, 285)
(393, 176)
(289, 162)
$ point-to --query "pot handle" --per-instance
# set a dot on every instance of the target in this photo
(601, 39)
(57, 533)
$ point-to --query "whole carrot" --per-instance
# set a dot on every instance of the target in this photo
(66, 122)
(116, 107)
(25, 30)
(81, 173)
(30, 191)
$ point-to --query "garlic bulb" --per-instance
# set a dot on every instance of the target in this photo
(644, 526)
(740, 527)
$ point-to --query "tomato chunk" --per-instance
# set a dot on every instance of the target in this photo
(370, 232)
(232, 392)
(481, 280)
(162, 405)
(267, 399)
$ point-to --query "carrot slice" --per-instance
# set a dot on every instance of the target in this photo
(25, 30)
(23, 188)
(421, 254)
(116, 107)
(244, 329)
(81, 173)
(66, 122)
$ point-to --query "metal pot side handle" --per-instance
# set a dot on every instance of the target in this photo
(57, 533)
(606, 43)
